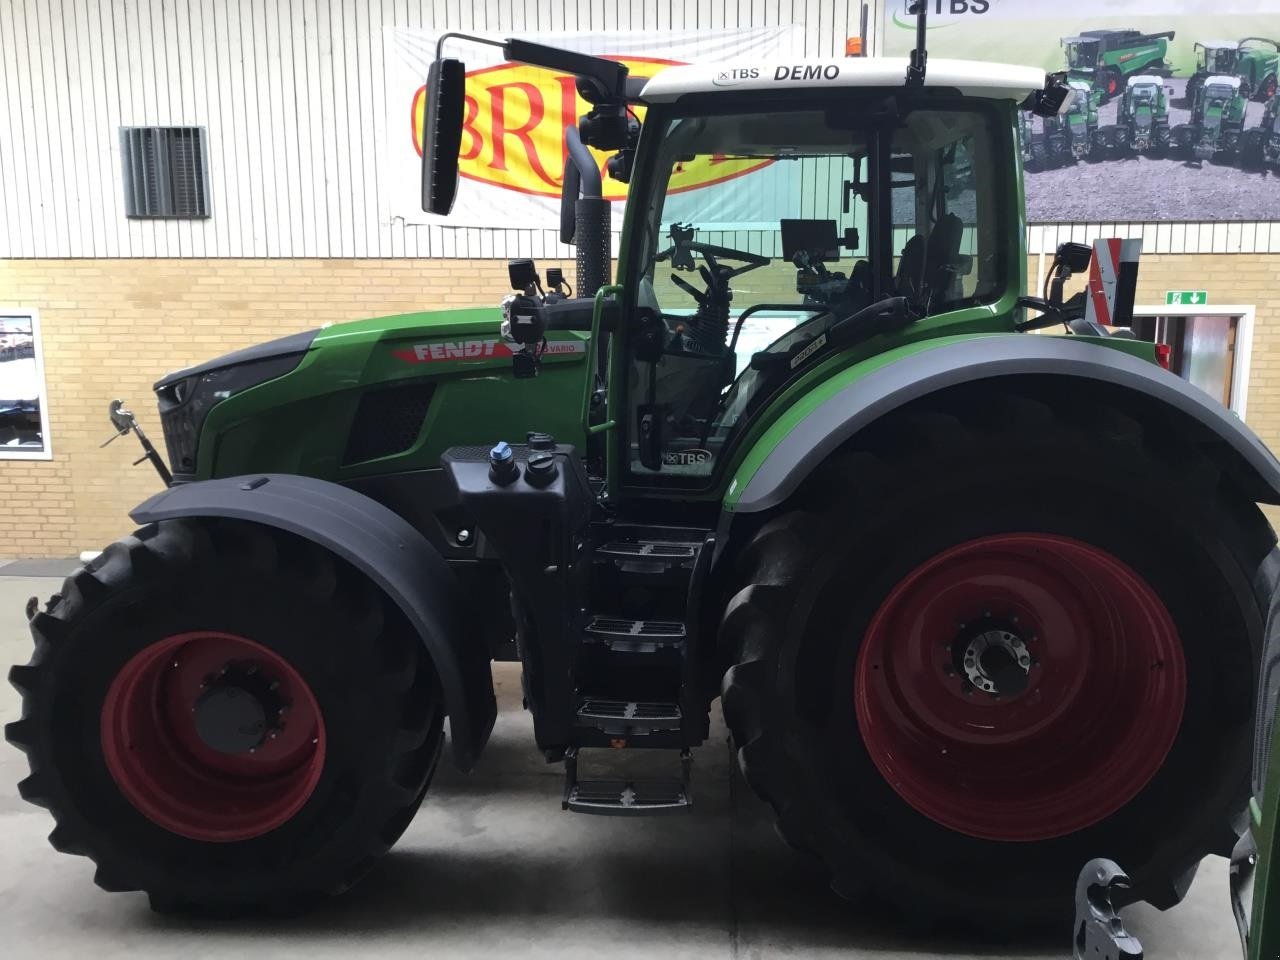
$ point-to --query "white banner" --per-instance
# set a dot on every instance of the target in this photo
(512, 157)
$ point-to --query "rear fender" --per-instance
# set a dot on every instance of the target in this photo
(802, 437)
(384, 547)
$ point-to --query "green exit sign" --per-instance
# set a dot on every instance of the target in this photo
(1186, 298)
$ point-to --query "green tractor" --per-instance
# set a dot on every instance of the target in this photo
(1258, 66)
(1217, 123)
(1260, 146)
(976, 603)
(1142, 120)
(1105, 58)
(1074, 134)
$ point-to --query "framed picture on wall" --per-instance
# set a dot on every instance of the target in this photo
(24, 406)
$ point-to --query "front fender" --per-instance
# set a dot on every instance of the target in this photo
(810, 431)
(384, 547)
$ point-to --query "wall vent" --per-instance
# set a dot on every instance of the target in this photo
(165, 172)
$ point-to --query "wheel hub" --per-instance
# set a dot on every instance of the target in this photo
(993, 658)
(238, 710)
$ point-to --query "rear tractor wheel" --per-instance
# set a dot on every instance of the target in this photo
(226, 717)
(966, 662)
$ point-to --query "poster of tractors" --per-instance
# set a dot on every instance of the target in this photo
(1176, 113)
(21, 389)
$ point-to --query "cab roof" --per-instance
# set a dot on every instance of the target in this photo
(1233, 82)
(971, 78)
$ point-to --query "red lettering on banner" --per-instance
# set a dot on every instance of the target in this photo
(498, 97)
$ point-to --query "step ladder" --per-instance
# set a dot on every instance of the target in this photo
(637, 665)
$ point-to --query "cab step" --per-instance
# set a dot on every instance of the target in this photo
(626, 798)
(648, 550)
(623, 718)
(634, 636)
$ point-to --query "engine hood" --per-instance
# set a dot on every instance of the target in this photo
(428, 323)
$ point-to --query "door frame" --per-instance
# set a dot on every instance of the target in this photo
(1244, 340)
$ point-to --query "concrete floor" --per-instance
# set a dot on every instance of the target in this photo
(492, 868)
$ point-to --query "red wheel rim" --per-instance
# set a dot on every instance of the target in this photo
(1105, 687)
(165, 765)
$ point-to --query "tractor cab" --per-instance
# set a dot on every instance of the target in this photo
(1082, 53)
(1144, 100)
(867, 217)
(1217, 57)
(1220, 99)
(1148, 91)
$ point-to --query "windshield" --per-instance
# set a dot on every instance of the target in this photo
(1082, 53)
(746, 274)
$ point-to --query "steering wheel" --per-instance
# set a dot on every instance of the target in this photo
(709, 327)
(681, 254)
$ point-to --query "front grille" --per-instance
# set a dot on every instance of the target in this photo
(388, 421)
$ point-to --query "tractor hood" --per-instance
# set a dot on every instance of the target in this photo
(368, 396)
(422, 323)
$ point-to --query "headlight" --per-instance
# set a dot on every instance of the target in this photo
(186, 397)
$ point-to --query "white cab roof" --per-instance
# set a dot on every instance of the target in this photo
(1142, 81)
(1233, 82)
(972, 78)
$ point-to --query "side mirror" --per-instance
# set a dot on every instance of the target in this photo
(442, 134)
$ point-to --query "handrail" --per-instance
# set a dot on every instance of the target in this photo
(589, 382)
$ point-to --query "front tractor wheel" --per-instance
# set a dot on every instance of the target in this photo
(225, 717)
(985, 647)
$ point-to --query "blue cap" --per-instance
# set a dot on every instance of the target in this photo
(501, 451)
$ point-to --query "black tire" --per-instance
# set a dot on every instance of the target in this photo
(924, 479)
(372, 684)
(1189, 94)
(1252, 152)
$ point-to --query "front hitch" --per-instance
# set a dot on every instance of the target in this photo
(123, 419)
(1100, 933)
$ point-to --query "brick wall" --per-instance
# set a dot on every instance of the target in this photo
(111, 327)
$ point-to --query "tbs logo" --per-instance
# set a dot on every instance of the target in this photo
(954, 7)
(734, 75)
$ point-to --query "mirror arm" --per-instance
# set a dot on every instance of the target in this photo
(464, 36)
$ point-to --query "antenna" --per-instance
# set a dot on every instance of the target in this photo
(920, 55)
